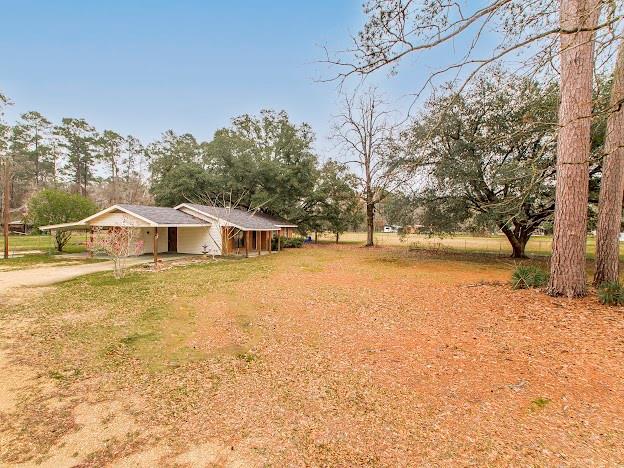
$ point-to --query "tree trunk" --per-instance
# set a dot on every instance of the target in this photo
(36, 157)
(316, 237)
(567, 266)
(612, 184)
(6, 205)
(518, 242)
(370, 224)
(337, 237)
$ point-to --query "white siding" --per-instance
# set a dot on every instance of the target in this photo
(210, 237)
(117, 218)
(192, 239)
(147, 235)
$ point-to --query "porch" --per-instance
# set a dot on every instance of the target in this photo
(248, 243)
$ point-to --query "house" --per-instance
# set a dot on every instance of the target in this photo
(18, 223)
(188, 228)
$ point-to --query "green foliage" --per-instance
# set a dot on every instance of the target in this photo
(51, 206)
(335, 205)
(611, 293)
(492, 156)
(288, 242)
(399, 209)
(172, 151)
(528, 276)
(263, 161)
(185, 182)
(78, 138)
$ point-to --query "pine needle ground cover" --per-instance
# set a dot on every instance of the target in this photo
(326, 355)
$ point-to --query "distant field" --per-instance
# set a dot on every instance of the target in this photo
(538, 245)
(19, 243)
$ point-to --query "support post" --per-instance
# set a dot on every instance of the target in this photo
(259, 242)
(279, 241)
(155, 249)
(247, 244)
(6, 206)
(91, 241)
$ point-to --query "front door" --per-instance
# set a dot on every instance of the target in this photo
(172, 239)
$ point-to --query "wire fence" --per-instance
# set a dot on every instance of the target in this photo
(20, 245)
(538, 246)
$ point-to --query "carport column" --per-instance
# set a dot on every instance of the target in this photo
(246, 244)
(155, 249)
(259, 242)
(91, 241)
(279, 241)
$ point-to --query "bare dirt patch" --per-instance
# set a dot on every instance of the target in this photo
(331, 355)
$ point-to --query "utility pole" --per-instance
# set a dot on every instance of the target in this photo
(6, 205)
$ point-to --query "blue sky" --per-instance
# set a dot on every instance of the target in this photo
(142, 67)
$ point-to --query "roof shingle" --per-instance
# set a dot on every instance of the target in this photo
(240, 218)
(162, 215)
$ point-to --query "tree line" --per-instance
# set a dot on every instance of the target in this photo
(262, 162)
(74, 156)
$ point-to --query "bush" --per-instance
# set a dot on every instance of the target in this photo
(51, 206)
(288, 242)
(611, 293)
(525, 277)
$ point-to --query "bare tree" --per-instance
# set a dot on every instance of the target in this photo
(612, 184)
(519, 30)
(117, 242)
(365, 132)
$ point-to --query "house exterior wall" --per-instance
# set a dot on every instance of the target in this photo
(147, 236)
(212, 236)
(117, 218)
(192, 239)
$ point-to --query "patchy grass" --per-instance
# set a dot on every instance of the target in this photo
(33, 260)
(540, 403)
(326, 355)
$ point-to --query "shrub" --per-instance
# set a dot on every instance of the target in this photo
(611, 293)
(529, 277)
(288, 242)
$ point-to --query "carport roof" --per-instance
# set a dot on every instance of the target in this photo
(151, 215)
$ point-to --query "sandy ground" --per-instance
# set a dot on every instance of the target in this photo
(326, 356)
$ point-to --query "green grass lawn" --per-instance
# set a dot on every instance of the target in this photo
(19, 243)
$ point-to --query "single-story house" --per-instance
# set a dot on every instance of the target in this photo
(188, 228)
